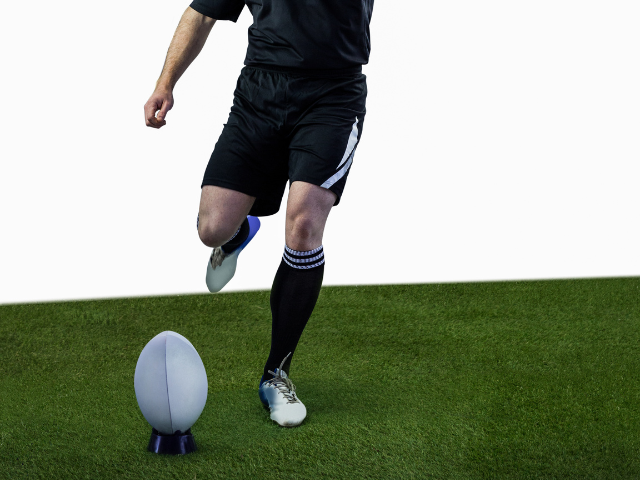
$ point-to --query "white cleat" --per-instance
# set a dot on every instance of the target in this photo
(279, 394)
(222, 266)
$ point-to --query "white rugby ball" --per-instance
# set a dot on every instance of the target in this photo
(171, 383)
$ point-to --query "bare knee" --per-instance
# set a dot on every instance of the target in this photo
(214, 234)
(221, 213)
(303, 233)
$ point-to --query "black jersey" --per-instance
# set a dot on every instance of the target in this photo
(301, 34)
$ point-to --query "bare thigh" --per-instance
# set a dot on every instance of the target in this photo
(222, 211)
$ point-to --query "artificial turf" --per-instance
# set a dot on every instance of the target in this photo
(508, 380)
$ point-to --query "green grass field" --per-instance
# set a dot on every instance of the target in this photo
(506, 380)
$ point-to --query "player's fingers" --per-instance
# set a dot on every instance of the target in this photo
(166, 106)
(150, 109)
(157, 121)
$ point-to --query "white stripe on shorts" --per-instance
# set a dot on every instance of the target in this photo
(347, 157)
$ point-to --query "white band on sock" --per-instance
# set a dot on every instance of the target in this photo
(303, 260)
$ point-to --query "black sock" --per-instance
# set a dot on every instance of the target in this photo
(238, 239)
(293, 297)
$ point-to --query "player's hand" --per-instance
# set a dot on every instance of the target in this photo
(161, 102)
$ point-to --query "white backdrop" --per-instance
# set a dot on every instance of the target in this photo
(501, 142)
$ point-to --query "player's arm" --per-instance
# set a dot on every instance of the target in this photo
(187, 42)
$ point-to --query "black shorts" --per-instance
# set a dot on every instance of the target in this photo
(288, 126)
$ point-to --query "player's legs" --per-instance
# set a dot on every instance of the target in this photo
(298, 280)
(295, 291)
(321, 150)
(222, 211)
(246, 174)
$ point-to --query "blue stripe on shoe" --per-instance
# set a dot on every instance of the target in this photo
(263, 397)
(254, 226)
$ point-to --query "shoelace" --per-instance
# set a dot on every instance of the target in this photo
(217, 257)
(284, 385)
